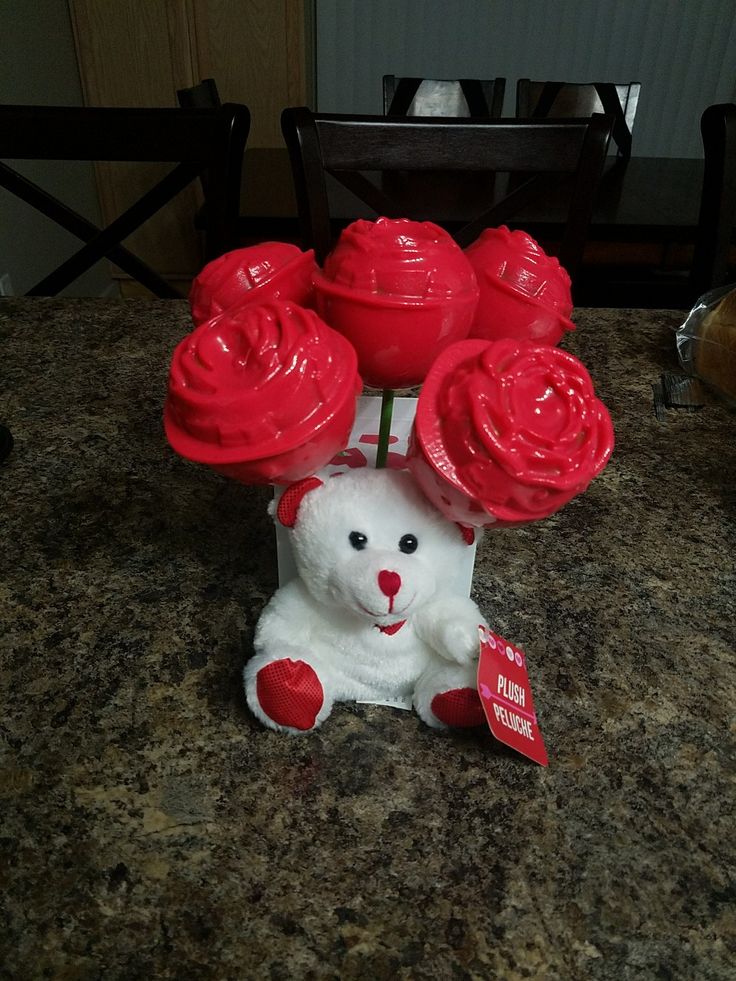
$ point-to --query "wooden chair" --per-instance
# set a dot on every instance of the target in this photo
(203, 95)
(198, 141)
(405, 96)
(652, 286)
(574, 99)
(711, 267)
(539, 153)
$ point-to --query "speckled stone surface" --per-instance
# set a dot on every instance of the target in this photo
(150, 828)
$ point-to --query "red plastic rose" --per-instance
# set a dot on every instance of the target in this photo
(524, 293)
(507, 432)
(400, 291)
(256, 274)
(264, 394)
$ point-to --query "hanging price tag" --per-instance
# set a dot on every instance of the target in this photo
(506, 696)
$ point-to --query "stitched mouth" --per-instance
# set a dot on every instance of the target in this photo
(390, 612)
(370, 613)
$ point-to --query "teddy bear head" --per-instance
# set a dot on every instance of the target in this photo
(369, 542)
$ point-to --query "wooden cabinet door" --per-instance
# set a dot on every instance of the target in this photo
(134, 53)
(259, 53)
(139, 52)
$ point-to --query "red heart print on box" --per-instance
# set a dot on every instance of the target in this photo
(506, 696)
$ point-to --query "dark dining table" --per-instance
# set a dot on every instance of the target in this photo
(653, 200)
(151, 828)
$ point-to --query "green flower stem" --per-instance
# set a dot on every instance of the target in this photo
(387, 409)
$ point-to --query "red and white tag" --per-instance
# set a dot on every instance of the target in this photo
(506, 696)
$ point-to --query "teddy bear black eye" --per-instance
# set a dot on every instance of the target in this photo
(408, 544)
(358, 540)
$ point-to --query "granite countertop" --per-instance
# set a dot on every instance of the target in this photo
(151, 828)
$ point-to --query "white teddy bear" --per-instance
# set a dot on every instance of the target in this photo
(370, 616)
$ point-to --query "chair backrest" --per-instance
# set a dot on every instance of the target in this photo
(538, 154)
(406, 96)
(197, 141)
(576, 99)
(713, 244)
(203, 95)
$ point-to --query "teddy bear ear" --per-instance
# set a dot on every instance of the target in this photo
(467, 532)
(289, 502)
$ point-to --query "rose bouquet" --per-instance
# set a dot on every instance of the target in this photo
(508, 428)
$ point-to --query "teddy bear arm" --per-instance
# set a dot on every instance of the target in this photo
(449, 625)
(288, 618)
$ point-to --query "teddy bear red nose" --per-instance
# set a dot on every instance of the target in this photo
(389, 582)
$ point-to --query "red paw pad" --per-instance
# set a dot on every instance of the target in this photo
(460, 707)
(290, 693)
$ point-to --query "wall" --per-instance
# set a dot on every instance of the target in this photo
(38, 66)
(683, 53)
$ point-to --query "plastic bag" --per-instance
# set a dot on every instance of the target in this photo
(706, 342)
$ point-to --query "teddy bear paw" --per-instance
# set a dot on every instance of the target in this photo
(290, 693)
(458, 642)
(459, 707)
(449, 625)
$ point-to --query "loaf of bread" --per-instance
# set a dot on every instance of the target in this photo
(714, 347)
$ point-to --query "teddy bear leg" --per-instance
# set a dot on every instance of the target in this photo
(288, 691)
(447, 695)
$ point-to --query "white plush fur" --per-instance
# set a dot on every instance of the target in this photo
(330, 615)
